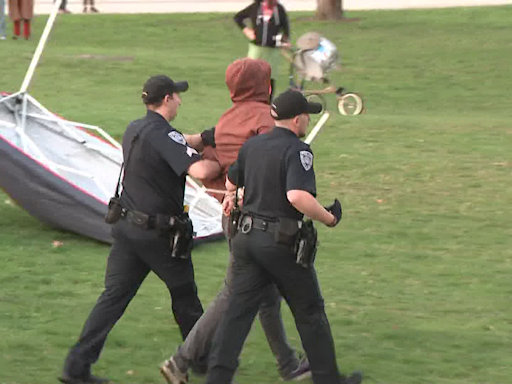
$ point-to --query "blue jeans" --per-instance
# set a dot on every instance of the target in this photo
(2, 17)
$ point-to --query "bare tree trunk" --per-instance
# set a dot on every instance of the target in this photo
(329, 9)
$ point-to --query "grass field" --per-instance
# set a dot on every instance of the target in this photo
(417, 279)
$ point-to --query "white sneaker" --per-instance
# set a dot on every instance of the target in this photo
(172, 373)
(3, 37)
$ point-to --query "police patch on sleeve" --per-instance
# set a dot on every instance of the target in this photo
(306, 158)
(177, 137)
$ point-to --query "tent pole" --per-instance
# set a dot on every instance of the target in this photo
(317, 127)
(40, 47)
(5, 98)
(23, 117)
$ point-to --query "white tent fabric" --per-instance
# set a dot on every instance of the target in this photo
(50, 152)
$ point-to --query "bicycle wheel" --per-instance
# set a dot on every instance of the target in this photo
(316, 98)
(350, 104)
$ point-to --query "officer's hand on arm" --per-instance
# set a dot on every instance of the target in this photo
(195, 141)
(204, 169)
(336, 211)
(208, 137)
(200, 140)
(182, 158)
(306, 203)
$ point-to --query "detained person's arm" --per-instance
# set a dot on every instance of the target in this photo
(204, 169)
(235, 177)
(229, 200)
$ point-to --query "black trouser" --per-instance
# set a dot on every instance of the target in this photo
(134, 254)
(259, 261)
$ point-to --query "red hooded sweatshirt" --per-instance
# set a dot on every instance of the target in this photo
(248, 81)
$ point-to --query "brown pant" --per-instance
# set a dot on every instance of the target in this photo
(21, 9)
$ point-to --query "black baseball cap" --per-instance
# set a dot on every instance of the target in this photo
(157, 87)
(293, 103)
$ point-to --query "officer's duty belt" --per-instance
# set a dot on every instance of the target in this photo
(249, 222)
(145, 221)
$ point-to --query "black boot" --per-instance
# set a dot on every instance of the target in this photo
(76, 371)
(90, 379)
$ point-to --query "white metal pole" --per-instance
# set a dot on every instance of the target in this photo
(5, 98)
(317, 127)
(192, 182)
(23, 115)
(40, 47)
(7, 124)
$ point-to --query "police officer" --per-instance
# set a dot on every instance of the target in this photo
(248, 83)
(276, 170)
(151, 231)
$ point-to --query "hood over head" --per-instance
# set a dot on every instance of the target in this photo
(249, 80)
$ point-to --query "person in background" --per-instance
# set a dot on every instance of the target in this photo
(92, 8)
(2, 19)
(21, 11)
(64, 7)
(269, 30)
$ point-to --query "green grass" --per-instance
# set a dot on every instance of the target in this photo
(416, 279)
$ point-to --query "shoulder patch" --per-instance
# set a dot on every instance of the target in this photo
(306, 158)
(177, 137)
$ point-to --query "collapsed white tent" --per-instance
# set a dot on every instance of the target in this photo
(63, 174)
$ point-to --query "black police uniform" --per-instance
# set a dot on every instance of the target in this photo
(269, 166)
(154, 183)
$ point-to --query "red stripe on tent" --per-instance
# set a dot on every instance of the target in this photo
(51, 171)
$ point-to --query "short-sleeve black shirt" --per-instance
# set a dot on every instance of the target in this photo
(269, 166)
(154, 180)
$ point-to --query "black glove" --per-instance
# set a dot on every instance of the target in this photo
(208, 137)
(335, 209)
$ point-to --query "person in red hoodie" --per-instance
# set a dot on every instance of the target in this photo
(248, 81)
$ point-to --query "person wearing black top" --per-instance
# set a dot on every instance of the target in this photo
(276, 170)
(269, 31)
(157, 160)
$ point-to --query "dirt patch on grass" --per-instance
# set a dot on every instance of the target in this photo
(87, 56)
